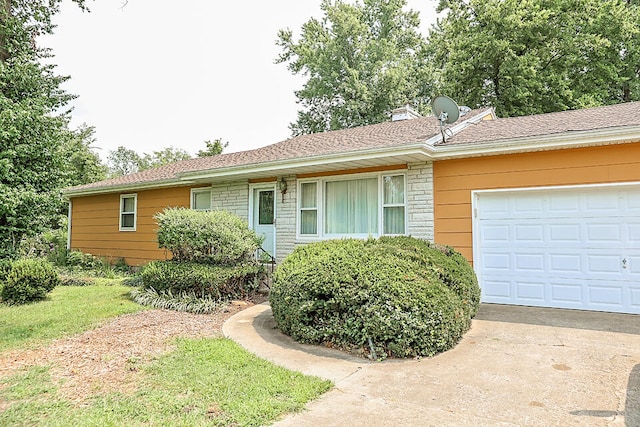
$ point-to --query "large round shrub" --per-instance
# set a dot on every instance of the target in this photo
(29, 280)
(386, 296)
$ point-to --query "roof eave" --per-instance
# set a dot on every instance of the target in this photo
(563, 140)
(280, 166)
(125, 187)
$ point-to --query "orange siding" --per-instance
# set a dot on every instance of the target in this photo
(455, 179)
(94, 224)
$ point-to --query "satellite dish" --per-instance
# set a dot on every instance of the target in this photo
(445, 109)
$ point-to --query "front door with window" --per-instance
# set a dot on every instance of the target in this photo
(264, 217)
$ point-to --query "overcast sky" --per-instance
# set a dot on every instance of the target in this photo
(155, 74)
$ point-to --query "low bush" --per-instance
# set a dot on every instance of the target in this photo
(218, 282)
(76, 280)
(84, 261)
(218, 237)
(29, 280)
(386, 297)
(185, 301)
(50, 245)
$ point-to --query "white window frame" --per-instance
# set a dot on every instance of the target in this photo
(299, 209)
(320, 202)
(195, 191)
(393, 205)
(135, 212)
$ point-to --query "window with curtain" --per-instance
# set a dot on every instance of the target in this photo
(369, 206)
(309, 208)
(201, 200)
(393, 206)
(351, 207)
(128, 212)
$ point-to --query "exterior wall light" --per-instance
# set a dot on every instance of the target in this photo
(282, 186)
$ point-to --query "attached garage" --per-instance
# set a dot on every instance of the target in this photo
(546, 207)
(566, 247)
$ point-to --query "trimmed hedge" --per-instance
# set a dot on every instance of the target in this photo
(218, 282)
(29, 280)
(217, 237)
(396, 296)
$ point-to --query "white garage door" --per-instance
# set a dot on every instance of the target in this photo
(571, 248)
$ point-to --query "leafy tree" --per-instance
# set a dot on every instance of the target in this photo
(85, 164)
(34, 136)
(362, 61)
(162, 157)
(123, 161)
(213, 148)
(534, 56)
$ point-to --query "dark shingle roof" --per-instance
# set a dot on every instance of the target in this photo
(542, 125)
(356, 139)
(386, 135)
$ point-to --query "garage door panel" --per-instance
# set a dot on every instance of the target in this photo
(498, 291)
(530, 262)
(606, 296)
(577, 248)
(566, 294)
(634, 300)
(530, 291)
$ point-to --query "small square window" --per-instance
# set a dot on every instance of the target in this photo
(201, 200)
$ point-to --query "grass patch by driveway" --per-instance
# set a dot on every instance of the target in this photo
(200, 380)
(209, 381)
(67, 310)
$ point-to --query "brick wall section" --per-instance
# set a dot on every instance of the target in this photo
(420, 218)
(232, 197)
(286, 219)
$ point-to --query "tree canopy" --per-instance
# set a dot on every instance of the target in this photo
(362, 60)
(213, 148)
(535, 56)
(34, 136)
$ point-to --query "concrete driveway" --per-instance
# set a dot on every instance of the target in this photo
(517, 366)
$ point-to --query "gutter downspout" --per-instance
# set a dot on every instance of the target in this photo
(69, 226)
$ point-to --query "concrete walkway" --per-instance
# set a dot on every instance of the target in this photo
(517, 366)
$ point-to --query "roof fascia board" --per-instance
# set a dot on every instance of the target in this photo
(537, 143)
(127, 187)
(398, 150)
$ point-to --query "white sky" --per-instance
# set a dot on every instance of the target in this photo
(157, 73)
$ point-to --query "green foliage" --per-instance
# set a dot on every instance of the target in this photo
(213, 148)
(449, 265)
(203, 382)
(34, 134)
(532, 56)
(386, 297)
(204, 280)
(162, 157)
(362, 61)
(50, 245)
(124, 161)
(185, 301)
(86, 165)
(218, 237)
(68, 310)
(29, 280)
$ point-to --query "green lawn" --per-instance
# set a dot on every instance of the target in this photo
(210, 381)
(67, 310)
